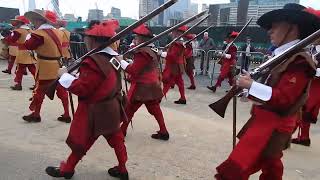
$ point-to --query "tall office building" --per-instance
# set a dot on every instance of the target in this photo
(237, 12)
(116, 12)
(147, 6)
(56, 7)
(161, 15)
(32, 5)
(95, 14)
(177, 12)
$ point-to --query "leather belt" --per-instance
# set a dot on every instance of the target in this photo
(48, 58)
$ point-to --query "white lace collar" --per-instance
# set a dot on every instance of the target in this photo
(46, 26)
(24, 27)
(109, 51)
(284, 47)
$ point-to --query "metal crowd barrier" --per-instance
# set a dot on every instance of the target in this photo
(256, 59)
(78, 49)
(200, 59)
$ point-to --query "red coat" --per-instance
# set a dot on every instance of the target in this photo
(312, 106)
(12, 39)
(145, 76)
(264, 123)
(91, 87)
(188, 53)
(175, 61)
(227, 63)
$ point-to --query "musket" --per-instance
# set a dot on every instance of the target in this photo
(234, 40)
(167, 32)
(189, 41)
(76, 64)
(187, 31)
(220, 106)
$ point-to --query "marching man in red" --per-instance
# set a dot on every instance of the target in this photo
(46, 42)
(310, 110)
(24, 59)
(145, 82)
(278, 100)
(188, 53)
(100, 104)
(175, 66)
(228, 63)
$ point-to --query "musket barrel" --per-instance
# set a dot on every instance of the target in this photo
(187, 31)
(167, 32)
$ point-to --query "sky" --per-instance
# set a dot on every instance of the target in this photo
(129, 8)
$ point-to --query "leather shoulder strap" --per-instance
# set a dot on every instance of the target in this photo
(55, 39)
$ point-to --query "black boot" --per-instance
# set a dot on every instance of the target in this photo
(31, 118)
(64, 119)
(212, 88)
(6, 71)
(114, 172)
(161, 136)
(32, 88)
(55, 172)
(192, 87)
(181, 101)
(304, 142)
(16, 87)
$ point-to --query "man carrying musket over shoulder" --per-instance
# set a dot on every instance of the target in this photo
(145, 82)
(100, 104)
(278, 97)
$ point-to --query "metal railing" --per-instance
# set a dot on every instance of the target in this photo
(256, 58)
(78, 49)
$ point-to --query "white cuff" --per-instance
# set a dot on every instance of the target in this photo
(66, 80)
(227, 56)
(130, 61)
(318, 72)
(164, 54)
(124, 64)
(260, 91)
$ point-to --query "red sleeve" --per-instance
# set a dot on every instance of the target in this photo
(291, 85)
(174, 51)
(140, 61)
(89, 80)
(233, 52)
(188, 51)
(14, 37)
(34, 42)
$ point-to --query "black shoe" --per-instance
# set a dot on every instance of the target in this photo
(172, 87)
(192, 87)
(30, 99)
(181, 101)
(16, 87)
(212, 88)
(64, 119)
(32, 88)
(55, 172)
(25, 73)
(304, 142)
(161, 136)
(114, 172)
(31, 118)
(6, 71)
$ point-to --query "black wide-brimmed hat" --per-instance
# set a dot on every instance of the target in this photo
(307, 19)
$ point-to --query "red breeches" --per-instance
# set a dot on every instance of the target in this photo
(21, 68)
(39, 95)
(178, 80)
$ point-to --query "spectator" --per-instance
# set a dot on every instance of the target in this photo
(245, 57)
(206, 44)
